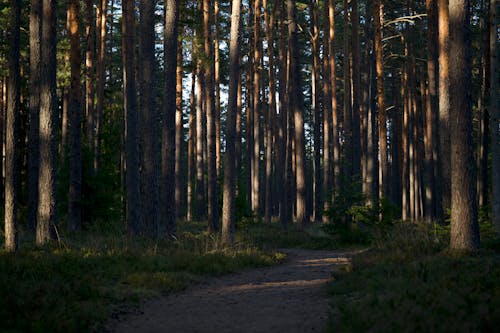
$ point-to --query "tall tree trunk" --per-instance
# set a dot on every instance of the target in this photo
(191, 168)
(464, 224)
(229, 202)
(333, 108)
(347, 148)
(256, 110)
(133, 196)
(149, 120)
(75, 110)
(357, 108)
(316, 111)
(200, 188)
(379, 56)
(48, 112)
(443, 184)
(217, 89)
(298, 116)
(432, 111)
(180, 175)
(283, 116)
(34, 111)
(101, 79)
(327, 124)
(168, 186)
(211, 135)
(495, 117)
(89, 70)
(12, 130)
(269, 22)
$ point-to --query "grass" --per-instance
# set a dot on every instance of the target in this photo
(409, 282)
(71, 287)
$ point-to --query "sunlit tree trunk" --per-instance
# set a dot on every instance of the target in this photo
(431, 107)
(34, 111)
(75, 164)
(443, 181)
(333, 108)
(228, 208)
(327, 125)
(296, 99)
(149, 120)
(168, 175)
(131, 112)
(100, 78)
(48, 112)
(200, 188)
(210, 112)
(90, 31)
(464, 224)
(12, 130)
(379, 56)
(217, 88)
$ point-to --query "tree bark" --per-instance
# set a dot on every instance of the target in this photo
(75, 109)
(48, 139)
(296, 100)
(495, 117)
(211, 130)
(333, 108)
(228, 207)
(149, 121)
(256, 110)
(464, 224)
(217, 89)
(191, 171)
(357, 108)
(444, 110)
(168, 171)
(100, 78)
(133, 196)
(89, 70)
(180, 174)
(12, 131)
(34, 111)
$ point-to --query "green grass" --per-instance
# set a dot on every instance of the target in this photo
(73, 286)
(408, 282)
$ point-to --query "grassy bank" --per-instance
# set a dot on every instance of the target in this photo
(69, 287)
(409, 282)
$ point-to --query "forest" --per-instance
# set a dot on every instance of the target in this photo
(149, 145)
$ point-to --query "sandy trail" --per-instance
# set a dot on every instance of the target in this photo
(285, 298)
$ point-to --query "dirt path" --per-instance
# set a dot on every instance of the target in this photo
(285, 298)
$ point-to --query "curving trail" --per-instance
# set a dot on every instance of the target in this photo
(285, 298)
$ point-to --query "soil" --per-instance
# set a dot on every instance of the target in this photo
(288, 298)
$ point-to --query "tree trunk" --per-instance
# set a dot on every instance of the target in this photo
(12, 131)
(34, 111)
(269, 22)
(48, 112)
(133, 196)
(495, 117)
(464, 224)
(256, 110)
(431, 107)
(443, 181)
(101, 79)
(357, 108)
(211, 135)
(149, 121)
(296, 100)
(379, 56)
(180, 175)
(89, 70)
(327, 125)
(333, 108)
(200, 188)
(75, 182)
(316, 111)
(228, 208)
(191, 180)
(168, 174)
(217, 89)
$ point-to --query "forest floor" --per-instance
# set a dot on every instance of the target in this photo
(290, 297)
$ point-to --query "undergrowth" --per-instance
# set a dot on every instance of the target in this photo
(71, 286)
(409, 282)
